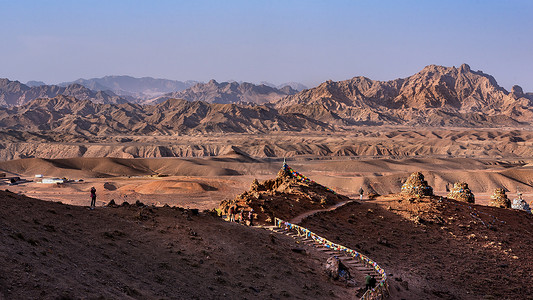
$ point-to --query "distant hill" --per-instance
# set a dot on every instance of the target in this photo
(70, 115)
(139, 88)
(228, 92)
(14, 93)
(436, 96)
(294, 85)
(33, 83)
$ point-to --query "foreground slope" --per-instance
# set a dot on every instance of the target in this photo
(438, 248)
(50, 250)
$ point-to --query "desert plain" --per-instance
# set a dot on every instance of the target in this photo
(376, 159)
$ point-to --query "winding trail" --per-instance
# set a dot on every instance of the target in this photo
(301, 217)
(355, 263)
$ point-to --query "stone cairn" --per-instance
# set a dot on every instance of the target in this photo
(461, 192)
(520, 204)
(499, 199)
(416, 186)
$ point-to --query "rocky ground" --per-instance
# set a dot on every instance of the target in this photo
(49, 250)
(432, 247)
(285, 197)
(438, 248)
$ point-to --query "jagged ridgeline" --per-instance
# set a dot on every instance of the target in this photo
(285, 197)
(435, 96)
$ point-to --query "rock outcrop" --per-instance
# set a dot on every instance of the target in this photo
(436, 96)
(285, 197)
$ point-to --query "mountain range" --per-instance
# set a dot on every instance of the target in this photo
(435, 96)
(174, 116)
(137, 88)
(294, 85)
(229, 92)
(14, 93)
(146, 90)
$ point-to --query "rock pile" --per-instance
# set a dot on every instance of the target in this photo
(336, 270)
(520, 204)
(499, 199)
(416, 186)
(284, 197)
(461, 192)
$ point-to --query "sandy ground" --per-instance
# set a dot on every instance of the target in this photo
(355, 142)
(203, 183)
(429, 247)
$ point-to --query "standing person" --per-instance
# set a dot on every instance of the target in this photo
(241, 216)
(251, 217)
(231, 213)
(370, 282)
(93, 197)
(361, 192)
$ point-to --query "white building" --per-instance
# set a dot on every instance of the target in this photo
(52, 180)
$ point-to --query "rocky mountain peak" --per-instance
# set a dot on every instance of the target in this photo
(464, 68)
(517, 91)
(435, 95)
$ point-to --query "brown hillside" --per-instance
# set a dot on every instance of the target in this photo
(287, 196)
(54, 251)
(438, 248)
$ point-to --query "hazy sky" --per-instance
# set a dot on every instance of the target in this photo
(276, 41)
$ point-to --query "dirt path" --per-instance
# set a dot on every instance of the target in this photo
(299, 218)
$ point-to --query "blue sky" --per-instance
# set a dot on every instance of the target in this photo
(276, 41)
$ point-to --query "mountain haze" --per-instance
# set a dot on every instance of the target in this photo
(229, 92)
(294, 85)
(139, 88)
(14, 93)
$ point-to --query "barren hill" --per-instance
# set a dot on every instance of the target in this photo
(436, 96)
(438, 248)
(70, 115)
(49, 250)
(14, 93)
(229, 92)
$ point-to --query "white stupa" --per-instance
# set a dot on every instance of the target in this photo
(520, 204)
